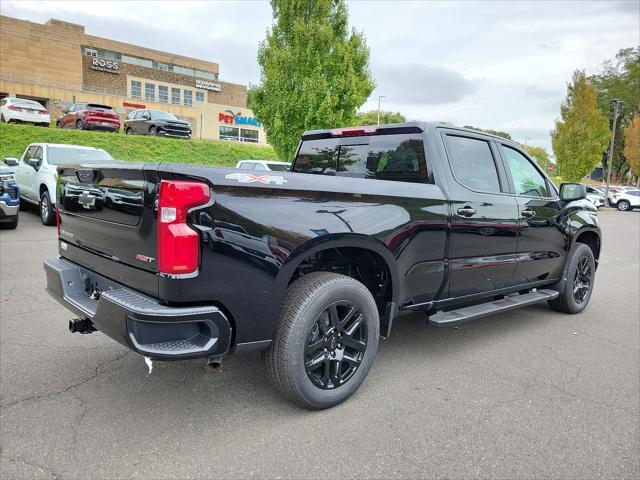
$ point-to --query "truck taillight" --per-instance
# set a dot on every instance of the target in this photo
(178, 245)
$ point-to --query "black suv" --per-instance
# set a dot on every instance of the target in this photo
(155, 122)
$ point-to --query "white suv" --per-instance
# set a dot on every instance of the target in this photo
(36, 172)
(627, 200)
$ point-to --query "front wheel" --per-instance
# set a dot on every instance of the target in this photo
(153, 131)
(326, 340)
(624, 205)
(47, 215)
(576, 292)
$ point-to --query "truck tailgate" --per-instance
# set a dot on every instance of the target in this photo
(107, 220)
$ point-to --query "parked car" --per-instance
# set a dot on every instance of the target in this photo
(155, 122)
(89, 116)
(9, 198)
(20, 110)
(313, 265)
(263, 165)
(627, 200)
(36, 172)
(595, 197)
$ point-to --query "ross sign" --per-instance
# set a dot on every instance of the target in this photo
(103, 65)
(214, 87)
(238, 119)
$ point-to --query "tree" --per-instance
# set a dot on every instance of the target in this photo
(582, 133)
(619, 78)
(497, 133)
(314, 71)
(632, 144)
(539, 154)
(371, 118)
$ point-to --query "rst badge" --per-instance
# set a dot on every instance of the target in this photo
(250, 178)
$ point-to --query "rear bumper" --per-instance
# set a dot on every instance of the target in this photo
(39, 118)
(135, 320)
(101, 125)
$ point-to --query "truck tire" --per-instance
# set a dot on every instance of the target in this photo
(325, 342)
(47, 215)
(580, 276)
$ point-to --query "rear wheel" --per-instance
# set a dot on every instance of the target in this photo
(47, 215)
(2, 118)
(58, 125)
(79, 125)
(624, 205)
(578, 286)
(326, 340)
(128, 131)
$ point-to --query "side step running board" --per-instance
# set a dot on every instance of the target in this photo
(454, 317)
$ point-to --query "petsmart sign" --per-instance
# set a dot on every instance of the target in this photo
(231, 118)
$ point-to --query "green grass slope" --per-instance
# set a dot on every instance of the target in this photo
(15, 138)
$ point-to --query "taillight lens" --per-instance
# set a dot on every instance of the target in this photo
(15, 108)
(178, 244)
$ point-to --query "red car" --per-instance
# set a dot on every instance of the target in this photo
(89, 116)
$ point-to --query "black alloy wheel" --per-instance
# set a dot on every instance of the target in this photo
(335, 345)
(582, 280)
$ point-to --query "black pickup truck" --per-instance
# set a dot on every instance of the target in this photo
(313, 265)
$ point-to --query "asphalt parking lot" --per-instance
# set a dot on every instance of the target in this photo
(526, 394)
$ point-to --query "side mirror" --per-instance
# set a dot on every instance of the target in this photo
(146, 117)
(572, 191)
(35, 163)
(11, 162)
(64, 111)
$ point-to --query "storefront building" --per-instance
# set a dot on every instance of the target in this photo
(58, 64)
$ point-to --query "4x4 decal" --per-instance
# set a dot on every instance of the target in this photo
(250, 178)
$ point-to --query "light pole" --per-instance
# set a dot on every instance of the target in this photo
(616, 102)
(380, 97)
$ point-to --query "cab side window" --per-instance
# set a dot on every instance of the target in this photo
(29, 154)
(472, 163)
(527, 180)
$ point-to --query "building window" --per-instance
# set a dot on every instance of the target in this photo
(188, 98)
(200, 97)
(160, 66)
(149, 91)
(247, 135)
(175, 96)
(163, 93)
(228, 133)
(136, 89)
(90, 52)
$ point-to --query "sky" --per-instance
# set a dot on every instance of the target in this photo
(494, 64)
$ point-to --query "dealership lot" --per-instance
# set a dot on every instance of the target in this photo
(529, 393)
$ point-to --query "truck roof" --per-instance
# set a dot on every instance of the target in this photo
(404, 127)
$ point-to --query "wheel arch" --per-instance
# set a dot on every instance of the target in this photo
(352, 249)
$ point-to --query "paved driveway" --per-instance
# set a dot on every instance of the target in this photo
(531, 393)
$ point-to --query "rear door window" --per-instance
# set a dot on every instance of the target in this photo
(472, 163)
(398, 157)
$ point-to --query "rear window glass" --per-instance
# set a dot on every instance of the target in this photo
(58, 155)
(382, 157)
(472, 163)
(278, 167)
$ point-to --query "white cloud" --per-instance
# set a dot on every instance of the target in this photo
(501, 65)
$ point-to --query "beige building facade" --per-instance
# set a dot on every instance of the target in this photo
(58, 64)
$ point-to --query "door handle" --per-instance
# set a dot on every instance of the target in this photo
(528, 213)
(466, 211)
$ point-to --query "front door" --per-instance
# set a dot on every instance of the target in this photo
(541, 250)
(484, 217)
(25, 173)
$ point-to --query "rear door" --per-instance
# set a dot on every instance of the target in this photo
(484, 219)
(541, 249)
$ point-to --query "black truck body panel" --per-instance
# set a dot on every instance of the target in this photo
(258, 230)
